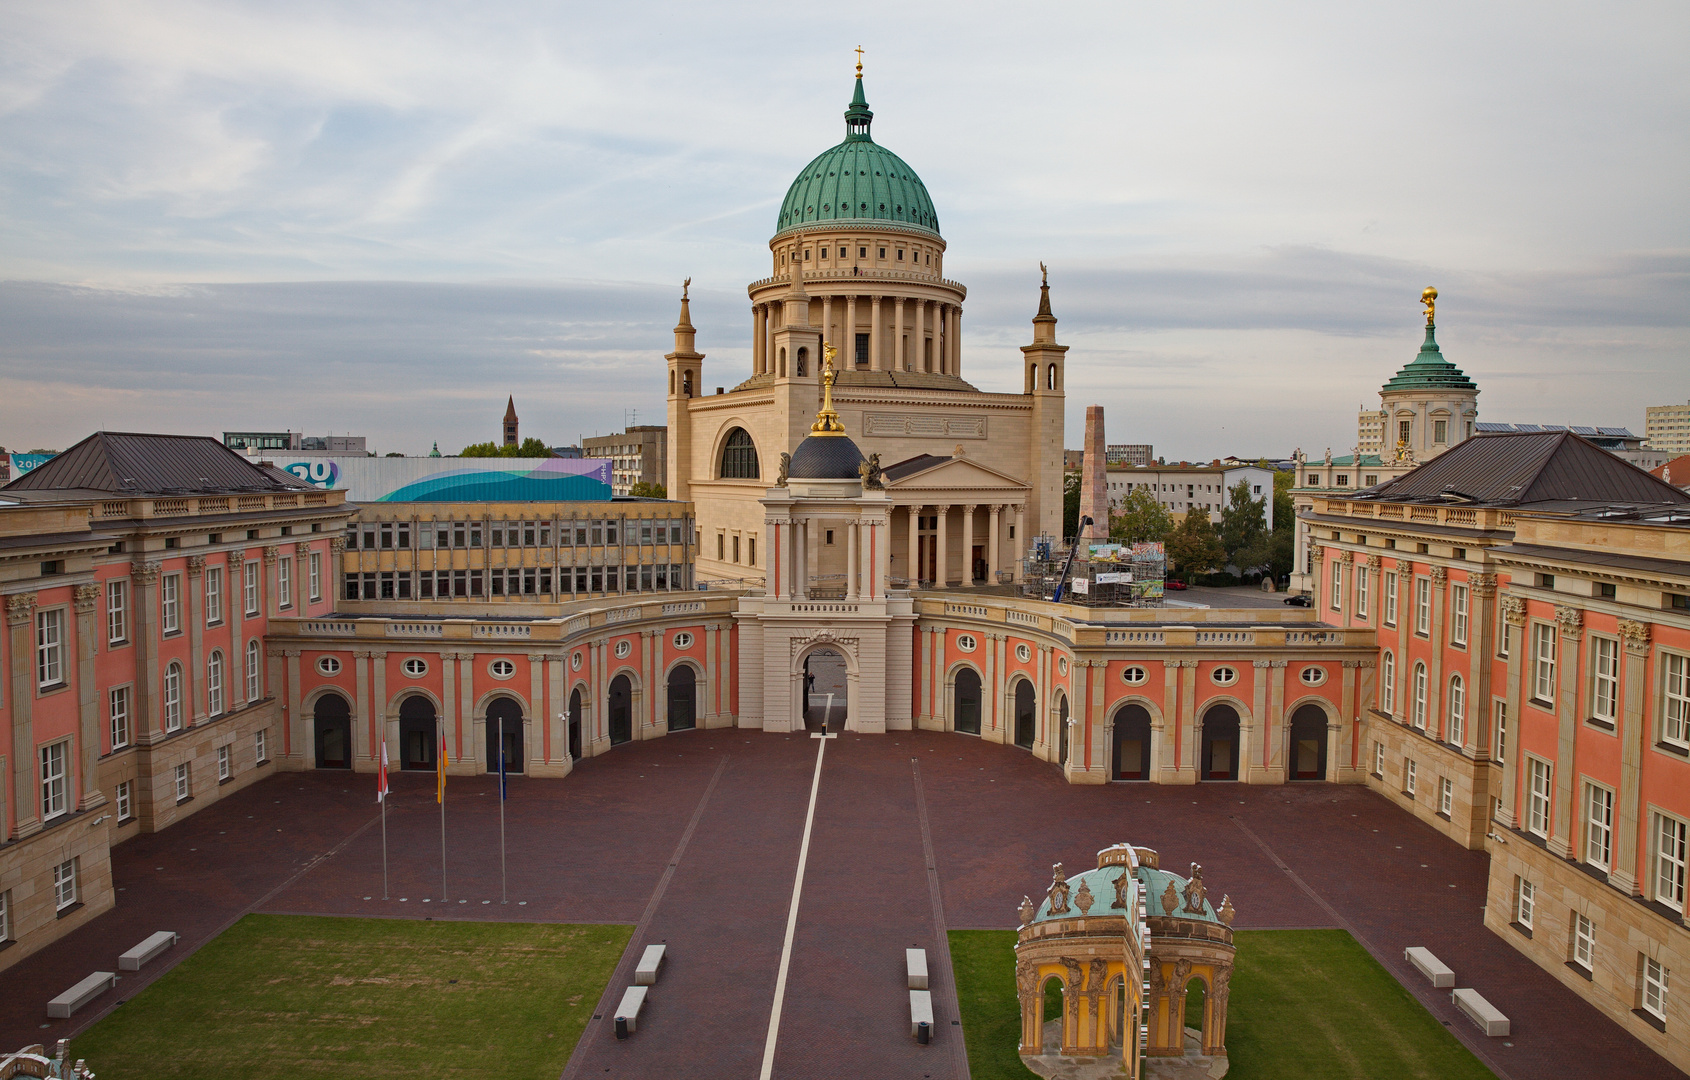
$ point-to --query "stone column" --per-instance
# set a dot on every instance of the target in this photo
(193, 612)
(1437, 694)
(992, 546)
(939, 337)
(1188, 715)
(1514, 612)
(378, 701)
(20, 628)
(1571, 620)
(827, 322)
(900, 354)
(769, 337)
(1481, 646)
(848, 347)
(918, 337)
(956, 341)
(1017, 539)
(234, 586)
(1247, 745)
(759, 334)
(853, 561)
(913, 572)
(1634, 695)
(448, 702)
(876, 359)
(272, 597)
(466, 711)
(1273, 730)
(941, 550)
(363, 707)
(967, 545)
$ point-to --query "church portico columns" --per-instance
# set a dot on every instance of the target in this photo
(759, 335)
(852, 561)
(955, 341)
(967, 544)
(992, 546)
(876, 356)
(827, 321)
(848, 347)
(913, 571)
(941, 550)
(1017, 538)
(900, 353)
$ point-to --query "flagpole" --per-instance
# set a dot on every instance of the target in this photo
(442, 794)
(503, 899)
(384, 819)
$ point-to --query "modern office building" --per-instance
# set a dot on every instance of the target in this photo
(639, 454)
(1667, 428)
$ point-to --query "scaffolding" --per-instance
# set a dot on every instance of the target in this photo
(1102, 574)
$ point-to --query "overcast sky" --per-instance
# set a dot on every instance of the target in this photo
(383, 218)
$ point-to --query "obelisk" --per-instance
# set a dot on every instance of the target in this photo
(1094, 485)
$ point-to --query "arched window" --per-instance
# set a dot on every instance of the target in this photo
(1419, 701)
(1050, 379)
(214, 683)
(798, 369)
(1388, 684)
(739, 456)
(173, 697)
(1457, 728)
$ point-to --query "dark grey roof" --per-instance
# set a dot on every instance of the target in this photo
(911, 466)
(132, 464)
(825, 457)
(1539, 553)
(1526, 468)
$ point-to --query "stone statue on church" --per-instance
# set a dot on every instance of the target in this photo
(785, 468)
(870, 472)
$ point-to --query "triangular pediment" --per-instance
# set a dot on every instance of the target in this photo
(952, 474)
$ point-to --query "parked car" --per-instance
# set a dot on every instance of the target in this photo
(1174, 585)
(1300, 600)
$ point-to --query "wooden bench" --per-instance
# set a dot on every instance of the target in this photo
(1480, 1011)
(628, 1013)
(650, 962)
(915, 964)
(140, 954)
(1429, 966)
(921, 1011)
(81, 994)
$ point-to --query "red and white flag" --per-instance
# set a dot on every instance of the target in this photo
(381, 774)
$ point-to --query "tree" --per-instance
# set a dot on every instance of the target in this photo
(529, 448)
(645, 489)
(1244, 532)
(1193, 548)
(1282, 547)
(1141, 519)
(1071, 504)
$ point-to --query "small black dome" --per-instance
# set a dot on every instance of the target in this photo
(826, 457)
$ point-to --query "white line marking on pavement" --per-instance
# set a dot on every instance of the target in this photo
(792, 920)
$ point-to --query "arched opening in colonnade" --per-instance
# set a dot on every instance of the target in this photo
(332, 727)
(1308, 743)
(826, 699)
(620, 714)
(1130, 734)
(575, 724)
(682, 698)
(418, 733)
(1219, 759)
(504, 729)
(966, 710)
(1062, 728)
(1050, 1033)
(1026, 714)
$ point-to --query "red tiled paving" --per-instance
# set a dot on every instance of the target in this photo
(594, 848)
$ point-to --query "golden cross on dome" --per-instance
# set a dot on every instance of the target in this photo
(859, 61)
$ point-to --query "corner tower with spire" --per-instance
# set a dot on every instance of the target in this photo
(686, 375)
(1430, 405)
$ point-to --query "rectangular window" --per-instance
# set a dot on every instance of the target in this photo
(214, 684)
(1410, 776)
(284, 583)
(170, 597)
(117, 703)
(1500, 740)
(125, 800)
(1458, 614)
(1337, 585)
(1543, 662)
(224, 766)
(1446, 796)
(1654, 995)
(1440, 431)
(49, 648)
(259, 747)
(1537, 805)
(1388, 684)
(1422, 606)
(1604, 679)
(1598, 825)
(751, 550)
(173, 698)
(736, 549)
(316, 576)
(1669, 861)
(1504, 635)
(117, 612)
(1390, 599)
(64, 884)
(1675, 700)
(254, 671)
(54, 797)
(249, 588)
(1361, 592)
(213, 595)
(183, 788)
(1525, 902)
(6, 915)
(1379, 760)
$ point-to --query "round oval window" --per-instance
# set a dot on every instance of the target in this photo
(575, 662)
(1023, 653)
(1135, 676)
(501, 669)
(1314, 676)
(683, 640)
(329, 665)
(1224, 676)
(415, 667)
(623, 648)
(966, 642)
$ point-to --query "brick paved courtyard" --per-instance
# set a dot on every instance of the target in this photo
(695, 838)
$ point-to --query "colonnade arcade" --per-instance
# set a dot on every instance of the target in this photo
(876, 333)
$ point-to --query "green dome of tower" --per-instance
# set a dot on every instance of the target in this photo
(858, 180)
(1429, 371)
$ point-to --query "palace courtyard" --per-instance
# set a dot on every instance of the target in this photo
(694, 840)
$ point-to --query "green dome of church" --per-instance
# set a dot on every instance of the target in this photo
(858, 180)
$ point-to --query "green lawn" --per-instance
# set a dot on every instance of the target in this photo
(300, 996)
(1305, 1005)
